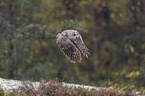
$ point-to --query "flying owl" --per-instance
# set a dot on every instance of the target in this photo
(71, 44)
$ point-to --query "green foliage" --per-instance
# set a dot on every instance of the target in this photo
(74, 24)
(42, 70)
(113, 30)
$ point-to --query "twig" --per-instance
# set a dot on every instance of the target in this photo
(25, 33)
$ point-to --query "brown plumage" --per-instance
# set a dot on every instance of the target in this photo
(71, 44)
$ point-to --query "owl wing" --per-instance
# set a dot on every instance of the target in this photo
(69, 49)
(81, 45)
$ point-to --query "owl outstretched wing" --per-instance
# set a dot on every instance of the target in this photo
(69, 49)
(81, 45)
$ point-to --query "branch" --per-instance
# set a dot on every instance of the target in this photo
(25, 33)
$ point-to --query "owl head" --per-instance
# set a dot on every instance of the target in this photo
(71, 34)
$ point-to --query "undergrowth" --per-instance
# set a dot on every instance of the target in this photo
(56, 88)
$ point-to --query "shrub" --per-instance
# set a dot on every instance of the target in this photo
(56, 88)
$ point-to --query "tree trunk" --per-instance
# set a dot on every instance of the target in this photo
(13, 52)
(99, 18)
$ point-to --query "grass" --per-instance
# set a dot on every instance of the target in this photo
(56, 88)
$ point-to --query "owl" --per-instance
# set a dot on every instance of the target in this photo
(71, 44)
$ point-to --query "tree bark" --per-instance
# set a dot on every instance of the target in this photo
(13, 54)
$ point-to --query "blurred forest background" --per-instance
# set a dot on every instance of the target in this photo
(113, 30)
